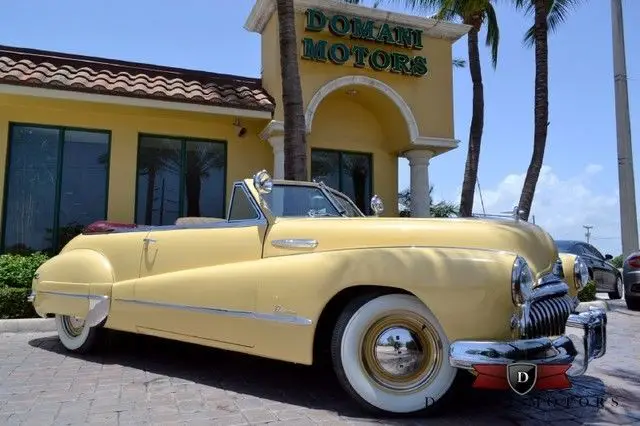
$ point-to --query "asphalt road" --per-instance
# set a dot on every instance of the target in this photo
(140, 380)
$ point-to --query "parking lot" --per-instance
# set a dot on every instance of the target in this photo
(141, 380)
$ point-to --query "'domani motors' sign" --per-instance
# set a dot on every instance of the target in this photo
(365, 30)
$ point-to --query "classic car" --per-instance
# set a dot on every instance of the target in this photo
(631, 273)
(398, 306)
(607, 277)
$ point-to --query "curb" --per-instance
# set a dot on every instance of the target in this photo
(27, 325)
(596, 304)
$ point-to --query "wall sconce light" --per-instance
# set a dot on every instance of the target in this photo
(240, 131)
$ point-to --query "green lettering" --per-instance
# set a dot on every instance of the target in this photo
(379, 60)
(316, 20)
(400, 63)
(417, 39)
(419, 66)
(314, 52)
(339, 53)
(360, 53)
(404, 36)
(385, 35)
(362, 30)
(339, 25)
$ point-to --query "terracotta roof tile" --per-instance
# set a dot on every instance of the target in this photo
(36, 68)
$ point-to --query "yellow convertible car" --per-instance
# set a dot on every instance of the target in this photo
(296, 272)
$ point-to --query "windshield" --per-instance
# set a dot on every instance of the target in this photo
(299, 200)
(566, 246)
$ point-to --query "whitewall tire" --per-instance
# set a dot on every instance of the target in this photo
(391, 354)
(74, 334)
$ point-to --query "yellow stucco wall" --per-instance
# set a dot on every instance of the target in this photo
(245, 155)
(430, 97)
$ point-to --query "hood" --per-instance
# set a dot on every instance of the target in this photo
(521, 238)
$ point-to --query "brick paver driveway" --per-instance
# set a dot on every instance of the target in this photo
(149, 381)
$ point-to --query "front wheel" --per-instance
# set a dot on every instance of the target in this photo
(619, 290)
(75, 335)
(633, 303)
(391, 355)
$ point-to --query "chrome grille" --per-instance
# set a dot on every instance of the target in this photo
(548, 317)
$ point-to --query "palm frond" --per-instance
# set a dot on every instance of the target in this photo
(459, 63)
(557, 13)
(493, 33)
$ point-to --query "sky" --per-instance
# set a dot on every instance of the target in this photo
(579, 181)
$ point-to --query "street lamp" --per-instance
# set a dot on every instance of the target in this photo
(628, 215)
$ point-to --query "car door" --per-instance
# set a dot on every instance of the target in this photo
(200, 280)
(608, 270)
(597, 266)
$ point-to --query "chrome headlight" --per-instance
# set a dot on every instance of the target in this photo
(580, 272)
(522, 280)
(558, 271)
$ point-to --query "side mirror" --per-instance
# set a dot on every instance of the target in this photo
(608, 257)
(262, 182)
(377, 206)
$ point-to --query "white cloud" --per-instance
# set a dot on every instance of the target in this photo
(562, 205)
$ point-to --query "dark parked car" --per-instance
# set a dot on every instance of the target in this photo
(631, 274)
(607, 277)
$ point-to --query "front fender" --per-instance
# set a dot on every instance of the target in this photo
(468, 290)
(76, 282)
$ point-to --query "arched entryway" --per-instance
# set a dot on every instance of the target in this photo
(357, 127)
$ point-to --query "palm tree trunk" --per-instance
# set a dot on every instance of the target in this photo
(476, 128)
(541, 109)
(295, 144)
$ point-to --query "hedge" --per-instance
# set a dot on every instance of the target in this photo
(13, 303)
(588, 293)
(16, 275)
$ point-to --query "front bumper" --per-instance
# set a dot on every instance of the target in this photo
(585, 339)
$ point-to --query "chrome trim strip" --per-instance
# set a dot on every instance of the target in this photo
(31, 297)
(282, 318)
(75, 295)
(295, 243)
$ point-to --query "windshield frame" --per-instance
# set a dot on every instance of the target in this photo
(335, 193)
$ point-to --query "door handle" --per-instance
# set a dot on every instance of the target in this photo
(293, 243)
(148, 241)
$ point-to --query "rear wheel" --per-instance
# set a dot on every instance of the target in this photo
(633, 303)
(391, 355)
(75, 335)
(619, 291)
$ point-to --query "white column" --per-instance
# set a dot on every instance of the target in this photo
(277, 143)
(419, 168)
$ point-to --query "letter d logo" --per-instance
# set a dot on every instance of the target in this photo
(522, 377)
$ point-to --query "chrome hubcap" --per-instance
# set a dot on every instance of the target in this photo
(72, 326)
(401, 352)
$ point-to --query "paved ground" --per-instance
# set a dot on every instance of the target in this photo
(150, 381)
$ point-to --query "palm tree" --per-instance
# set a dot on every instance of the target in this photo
(474, 13)
(442, 209)
(547, 15)
(295, 143)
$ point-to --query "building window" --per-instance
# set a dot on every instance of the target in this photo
(348, 172)
(179, 178)
(57, 183)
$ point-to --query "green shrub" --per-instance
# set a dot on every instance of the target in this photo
(588, 293)
(13, 303)
(617, 261)
(17, 271)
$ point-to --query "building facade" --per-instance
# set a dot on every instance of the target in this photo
(84, 138)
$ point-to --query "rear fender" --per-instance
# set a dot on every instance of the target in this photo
(76, 282)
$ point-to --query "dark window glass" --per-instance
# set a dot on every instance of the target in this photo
(179, 178)
(347, 172)
(568, 247)
(241, 207)
(56, 184)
